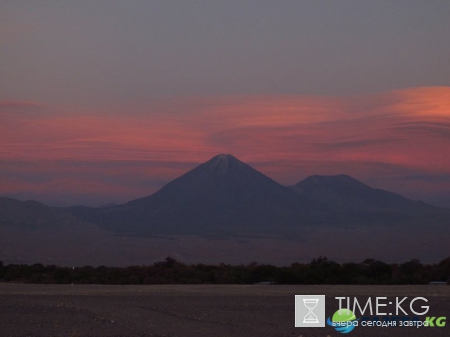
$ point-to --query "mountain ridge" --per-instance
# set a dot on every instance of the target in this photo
(348, 193)
(224, 210)
(31, 214)
(222, 193)
(226, 196)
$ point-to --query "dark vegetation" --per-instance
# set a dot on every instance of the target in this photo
(170, 271)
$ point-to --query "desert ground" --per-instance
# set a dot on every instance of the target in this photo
(185, 310)
(96, 247)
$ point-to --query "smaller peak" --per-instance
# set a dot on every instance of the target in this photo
(328, 180)
(335, 177)
(344, 176)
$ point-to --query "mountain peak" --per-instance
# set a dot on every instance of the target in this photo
(220, 192)
(346, 192)
(224, 157)
(224, 163)
(334, 181)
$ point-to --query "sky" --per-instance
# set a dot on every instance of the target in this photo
(107, 101)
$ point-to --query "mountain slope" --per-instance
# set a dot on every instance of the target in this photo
(223, 195)
(347, 193)
(31, 214)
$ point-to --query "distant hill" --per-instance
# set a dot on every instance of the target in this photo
(346, 193)
(360, 204)
(31, 214)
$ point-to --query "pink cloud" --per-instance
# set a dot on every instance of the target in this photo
(286, 137)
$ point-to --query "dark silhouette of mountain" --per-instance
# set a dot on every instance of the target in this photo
(31, 214)
(348, 194)
(359, 204)
(221, 196)
(111, 204)
(226, 198)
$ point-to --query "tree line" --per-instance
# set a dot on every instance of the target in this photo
(170, 271)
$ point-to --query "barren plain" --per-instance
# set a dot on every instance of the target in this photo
(190, 310)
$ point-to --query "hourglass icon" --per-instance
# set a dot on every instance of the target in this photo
(310, 304)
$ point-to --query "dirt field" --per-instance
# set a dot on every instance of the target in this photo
(99, 247)
(205, 310)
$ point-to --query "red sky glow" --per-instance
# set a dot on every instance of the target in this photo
(396, 140)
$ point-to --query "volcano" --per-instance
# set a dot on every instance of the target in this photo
(225, 210)
(226, 197)
(222, 195)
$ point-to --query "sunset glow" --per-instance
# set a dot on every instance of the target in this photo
(378, 138)
(105, 102)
